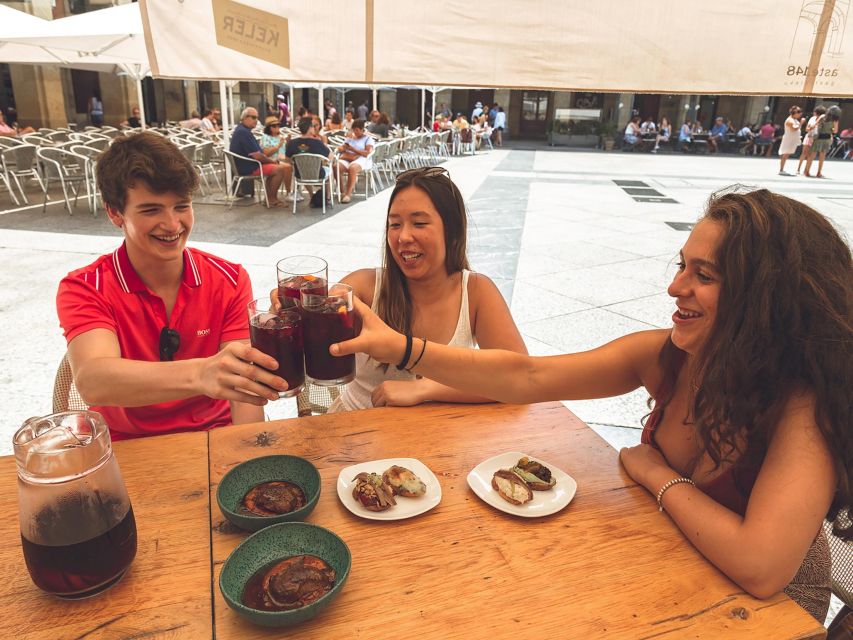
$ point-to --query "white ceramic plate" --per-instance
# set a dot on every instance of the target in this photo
(405, 507)
(544, 503)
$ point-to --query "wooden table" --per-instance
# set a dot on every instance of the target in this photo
(608, 564)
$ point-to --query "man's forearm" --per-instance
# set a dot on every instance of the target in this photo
(134, 383)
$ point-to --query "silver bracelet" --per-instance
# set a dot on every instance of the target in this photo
(668, 485)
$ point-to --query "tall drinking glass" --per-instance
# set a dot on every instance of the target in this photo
(327, 319)
(298, 271)
(279, 336)
(77, 527)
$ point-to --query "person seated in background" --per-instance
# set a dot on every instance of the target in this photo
(348, 120)
(272, 139)
(307, 142)
(632, 132)
(746, 137)
(766, 137)
(664, 133)
(718, 134)
(10, 131)
(380, 125)
(334, 122)
(685, 134)
(747, 447)
(193, 122)
(243, 143)
(354, 157)
(134, 121)
(648, 126)
(209, 126)
(158, 336)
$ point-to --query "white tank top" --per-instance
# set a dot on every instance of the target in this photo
(369, 374)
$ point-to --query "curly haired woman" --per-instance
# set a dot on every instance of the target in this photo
(748, 445)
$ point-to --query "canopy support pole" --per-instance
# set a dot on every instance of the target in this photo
(375, 101)
(141, 102)
(433, 107)
(320, 105)
(423, 107)
(226, 131)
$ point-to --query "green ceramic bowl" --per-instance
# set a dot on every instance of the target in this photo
(275, 543)
(237, 482)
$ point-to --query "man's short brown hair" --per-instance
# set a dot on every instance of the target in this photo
(145, 157)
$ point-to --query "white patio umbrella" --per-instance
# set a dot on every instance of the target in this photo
(103, 40)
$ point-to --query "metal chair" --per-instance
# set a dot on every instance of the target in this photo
(312, 164)
(91, 154)
(4, 179)
(70, 169)
(205, 164)
(237, 179)
(20, 162)
(315, 400)
(65, 394)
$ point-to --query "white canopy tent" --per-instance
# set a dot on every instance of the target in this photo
(105, 40)
(722, 47)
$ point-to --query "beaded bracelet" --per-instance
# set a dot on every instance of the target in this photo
(407, 353)
(670, 484)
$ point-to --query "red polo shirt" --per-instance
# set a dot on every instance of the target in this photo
(210, 310)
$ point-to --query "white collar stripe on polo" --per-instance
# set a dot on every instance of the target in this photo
(224, 270)
(193, 267)
(117, 267)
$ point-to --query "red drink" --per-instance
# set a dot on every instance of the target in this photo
(84, 568)
(326, 320)
(280, 336)
(291, 287)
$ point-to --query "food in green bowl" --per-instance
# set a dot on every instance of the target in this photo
(268, 490)
(285, 574)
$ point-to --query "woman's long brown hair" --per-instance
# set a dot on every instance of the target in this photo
(394, 304)
(783, 325)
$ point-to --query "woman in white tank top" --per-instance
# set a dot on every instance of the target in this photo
(425, 289)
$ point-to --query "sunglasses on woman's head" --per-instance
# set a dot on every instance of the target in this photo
(170, 342)
(423, 172)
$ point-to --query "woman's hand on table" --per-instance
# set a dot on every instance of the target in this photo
(399, 393)
(646, 465)
(376, 338)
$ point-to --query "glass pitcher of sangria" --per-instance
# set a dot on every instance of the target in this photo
(77, 527)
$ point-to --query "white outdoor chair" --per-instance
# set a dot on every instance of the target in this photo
(4, 179)
(841, 555)
(91, 154)
(20, 162)
(312, 164)
(204, 162)
(70, 169)
(237, 179)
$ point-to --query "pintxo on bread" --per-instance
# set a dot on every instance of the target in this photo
(376, 493)
(516, 485)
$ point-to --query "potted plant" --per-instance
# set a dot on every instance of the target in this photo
(607, 135)
(559, 132)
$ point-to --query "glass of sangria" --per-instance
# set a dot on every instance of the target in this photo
(280, 336)
(298, 271)
(78, 532)
(327, 318)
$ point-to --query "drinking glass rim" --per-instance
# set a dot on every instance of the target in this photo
(324, 263)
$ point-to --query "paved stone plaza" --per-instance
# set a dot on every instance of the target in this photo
(580, 243)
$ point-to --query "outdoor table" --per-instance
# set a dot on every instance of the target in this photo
(608, 564)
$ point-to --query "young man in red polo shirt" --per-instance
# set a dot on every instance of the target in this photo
(158, 333)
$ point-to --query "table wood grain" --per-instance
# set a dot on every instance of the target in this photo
(607, 565)
(166, 591)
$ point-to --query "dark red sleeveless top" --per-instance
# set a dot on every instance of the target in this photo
(731, 488)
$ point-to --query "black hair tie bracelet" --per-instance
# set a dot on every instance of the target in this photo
(407, 354)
